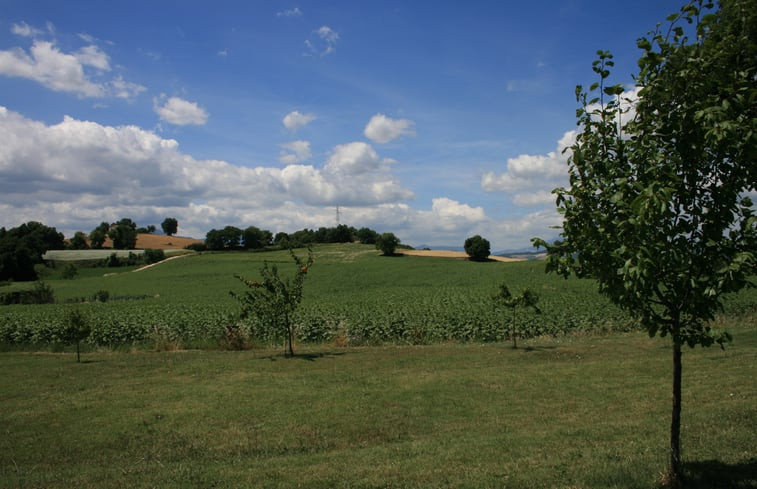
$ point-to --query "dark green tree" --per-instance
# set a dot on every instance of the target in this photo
(170, 225)
(22, 247)
(387, 243)
(271, 302)
(78, 241)
(254, 238)
(367, 235)
(98, 235)
(123, 234)
(477, 248)
(657, 209)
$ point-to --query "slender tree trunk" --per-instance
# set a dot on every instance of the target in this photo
(674, 472)
(78, 355)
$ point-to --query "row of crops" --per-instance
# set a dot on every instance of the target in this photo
(365, 299)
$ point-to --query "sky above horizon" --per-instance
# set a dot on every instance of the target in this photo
(436, 121)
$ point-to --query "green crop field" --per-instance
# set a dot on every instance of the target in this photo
(351, 294)
(401, 379)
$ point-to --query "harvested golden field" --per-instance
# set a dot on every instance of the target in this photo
(158, 242)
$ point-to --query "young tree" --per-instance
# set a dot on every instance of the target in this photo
(526, 300)
(76, 330)
(387, 243)
(272, 302)
(657, 210)
(477, 248)
(170, 225)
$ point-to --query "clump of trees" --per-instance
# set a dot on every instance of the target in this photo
(22, 247)
(254, 238)
(657, 210)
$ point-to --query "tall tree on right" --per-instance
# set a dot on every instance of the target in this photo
(658, 210)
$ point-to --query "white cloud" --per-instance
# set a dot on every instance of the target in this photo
(65, 72)
(179, 111)
(382, 129)
(294, 120)
(531, 177)
(293, 12)
(25, 30)
(76, 173)
(353, 159)
(324, 42)
(295, 152)
(52, 68)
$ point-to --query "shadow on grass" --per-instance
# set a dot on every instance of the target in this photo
(713, 474)
(310, 357)
(537, 348)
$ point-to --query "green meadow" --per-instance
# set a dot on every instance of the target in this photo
(402, 378)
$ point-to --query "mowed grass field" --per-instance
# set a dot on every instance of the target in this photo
(568, 412)
(584, 406)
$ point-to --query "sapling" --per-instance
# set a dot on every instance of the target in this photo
(526, 300)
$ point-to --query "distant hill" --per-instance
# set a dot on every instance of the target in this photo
(158, 242)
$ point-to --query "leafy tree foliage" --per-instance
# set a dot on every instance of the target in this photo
(79, 241)
(148, 230)
(123, 234)
(387, 243)
(98, 235)
(271, 303)
(657, 210)
(367, 235)
(477, 248)
(76, 330)
(525, 300)
(254, 238)
(22, 247)
(170, 225)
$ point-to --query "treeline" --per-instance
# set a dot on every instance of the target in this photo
(254, 238)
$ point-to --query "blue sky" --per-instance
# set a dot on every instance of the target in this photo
(432, 120)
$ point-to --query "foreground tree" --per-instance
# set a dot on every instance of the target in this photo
(76, 330)
(477, 248)
(657, 209)
(271, 303)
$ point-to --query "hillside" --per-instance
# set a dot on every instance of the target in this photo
(159, 242)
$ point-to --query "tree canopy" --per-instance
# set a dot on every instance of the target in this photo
(658, 208)
(22, 247)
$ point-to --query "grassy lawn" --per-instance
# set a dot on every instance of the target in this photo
(572, 412)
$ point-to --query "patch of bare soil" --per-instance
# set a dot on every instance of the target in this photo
(451, 254)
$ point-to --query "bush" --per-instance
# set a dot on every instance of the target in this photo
(387, 243)
(69, 272)
(477, 248)
(154, 256)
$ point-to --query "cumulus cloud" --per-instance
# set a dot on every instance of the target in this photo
(75, 173)
(530, 178)
(179, 111)
(294, 120)
(295, 152)
(382, 129)
(63, 72)
(353, 159)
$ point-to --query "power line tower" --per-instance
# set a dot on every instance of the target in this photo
(338, 215)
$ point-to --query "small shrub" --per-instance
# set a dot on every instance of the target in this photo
(154, 256)
(70, 271)
(101, 296)
(164, 341)
(76, 330)
(234, 338)
(196, 247)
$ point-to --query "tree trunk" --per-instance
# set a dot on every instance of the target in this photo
(674, 472)
(78, 355)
